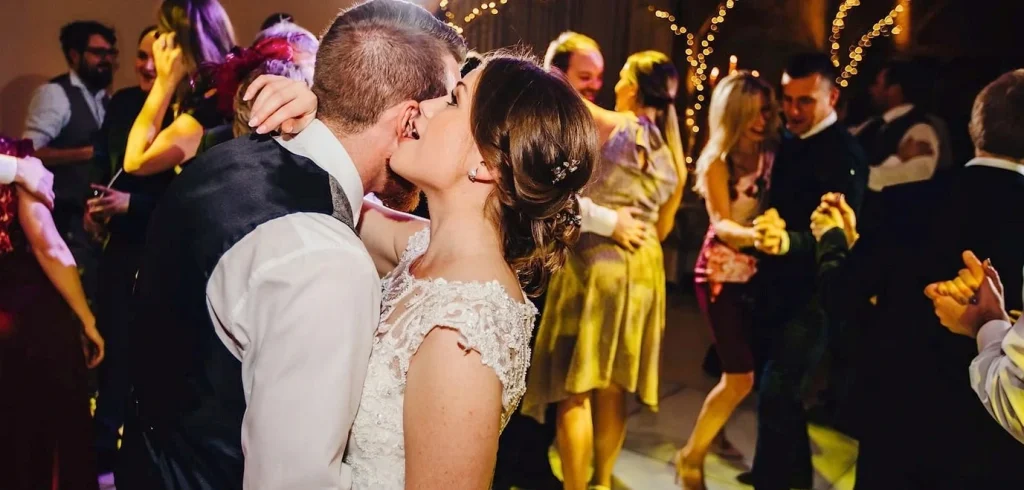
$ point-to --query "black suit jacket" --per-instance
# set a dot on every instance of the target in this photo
(804, 170)
(912, 374)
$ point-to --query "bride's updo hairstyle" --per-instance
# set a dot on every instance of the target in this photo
(539, 140)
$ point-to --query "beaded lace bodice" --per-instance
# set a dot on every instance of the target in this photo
(489, 322)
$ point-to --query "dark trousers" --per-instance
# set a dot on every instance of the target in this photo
(783, 456)
(114, 315)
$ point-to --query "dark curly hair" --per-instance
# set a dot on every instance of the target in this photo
(537, 136)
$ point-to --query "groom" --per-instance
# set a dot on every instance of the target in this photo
(257, 300)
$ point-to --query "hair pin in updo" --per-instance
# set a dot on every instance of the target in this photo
(564, 170)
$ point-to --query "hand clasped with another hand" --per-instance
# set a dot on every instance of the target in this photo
(835, 212)
(972, 299)
(771, 235)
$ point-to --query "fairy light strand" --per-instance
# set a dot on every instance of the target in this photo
(838, 24)
(485, 8)
(696, 58)
(884, 27)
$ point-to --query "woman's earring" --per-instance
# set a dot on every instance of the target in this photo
(472, 174)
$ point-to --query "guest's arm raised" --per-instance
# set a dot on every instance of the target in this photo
(151, 150)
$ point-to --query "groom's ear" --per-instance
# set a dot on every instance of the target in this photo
(407, 111)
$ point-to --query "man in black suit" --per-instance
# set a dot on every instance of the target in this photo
(817, 155)
(923, 425)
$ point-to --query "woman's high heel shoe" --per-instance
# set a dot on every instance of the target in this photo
(689, 474)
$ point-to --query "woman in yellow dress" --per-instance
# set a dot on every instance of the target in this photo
(600, 336)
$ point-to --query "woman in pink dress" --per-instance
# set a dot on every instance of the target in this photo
(48, 341)
(732, 175)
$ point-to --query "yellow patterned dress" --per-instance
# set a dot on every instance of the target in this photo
(605, 311)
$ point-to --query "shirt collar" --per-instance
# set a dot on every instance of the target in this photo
(824, 124)
(897, 112)
(997, 163)
(76, 81)
(319, 144)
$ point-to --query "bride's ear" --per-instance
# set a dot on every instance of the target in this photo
(477, 169)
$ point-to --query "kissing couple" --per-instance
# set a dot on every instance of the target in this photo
(271, 354)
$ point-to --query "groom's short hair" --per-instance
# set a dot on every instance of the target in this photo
(378, 54)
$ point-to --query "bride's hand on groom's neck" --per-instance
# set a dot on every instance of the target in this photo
(279, 104)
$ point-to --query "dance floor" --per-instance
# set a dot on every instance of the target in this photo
(653, 438)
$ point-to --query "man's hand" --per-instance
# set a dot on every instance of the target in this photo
(823, 219)
(838, 202)
(110, 203)
(911, 148)
(97, 230)
(772, 237)
(629, 232)
(32, 176)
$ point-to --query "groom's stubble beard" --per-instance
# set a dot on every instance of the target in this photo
(398, 193)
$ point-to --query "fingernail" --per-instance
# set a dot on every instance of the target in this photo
(252, 122)
(261, 130)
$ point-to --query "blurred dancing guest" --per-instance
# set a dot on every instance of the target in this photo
(733, 172)
(118, 217)
(600, 335)
(921, 240)
(48, 341)
(304, 44)
(63, 118)
(980, 313)
(578, 57)
(191, 33)
(816, 155)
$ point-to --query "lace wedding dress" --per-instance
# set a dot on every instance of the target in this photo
(489, 322)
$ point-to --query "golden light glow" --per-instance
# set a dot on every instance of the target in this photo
(857, 51)
(697, 59)
(837, 27)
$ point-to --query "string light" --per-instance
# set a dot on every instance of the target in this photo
(883, 27)
(697, 52)
(477, 12)
(838, 24)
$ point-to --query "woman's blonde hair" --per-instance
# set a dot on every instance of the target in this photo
(736, 101)
(650, 72)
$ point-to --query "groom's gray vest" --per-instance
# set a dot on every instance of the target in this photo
(186, 432)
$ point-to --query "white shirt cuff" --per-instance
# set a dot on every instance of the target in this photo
(8, 169)
(597, 219)
(992, 332)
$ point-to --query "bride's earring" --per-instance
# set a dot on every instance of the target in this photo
(472, 174)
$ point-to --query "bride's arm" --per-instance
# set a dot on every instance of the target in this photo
(385, 233)
(452, 416)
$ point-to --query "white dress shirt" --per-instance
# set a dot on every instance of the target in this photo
(822, 125)
(8, 169)
(597, 219)
(297, 301)
(997, 374)
(50, 110)
(892, 170)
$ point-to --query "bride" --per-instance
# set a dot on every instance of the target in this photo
(501, 160)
